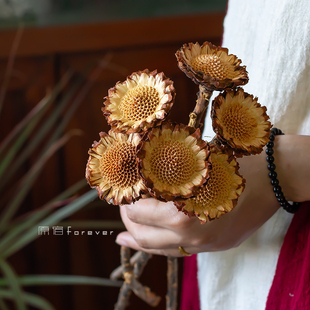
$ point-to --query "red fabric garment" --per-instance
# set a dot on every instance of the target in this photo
(190, 290)
(290, 289)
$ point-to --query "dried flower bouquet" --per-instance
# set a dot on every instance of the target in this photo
(145, 155)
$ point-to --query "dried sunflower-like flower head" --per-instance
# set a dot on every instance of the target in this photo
(141, 102)
(174, 161)
(220, 193)
(241, 122)
(211, 66)
(112, 168)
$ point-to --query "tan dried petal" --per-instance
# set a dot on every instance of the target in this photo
(241, 122)
(220, 193)
(174, 161)
(211, 66)
(141, 102)
(112, 168)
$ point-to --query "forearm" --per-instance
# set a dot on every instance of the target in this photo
(291, 153)
(258, 202)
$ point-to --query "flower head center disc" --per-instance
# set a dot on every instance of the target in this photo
(238, 122)
(211, 65)
(172, 163)
(139, 103)
(118, 165)
(217, 189)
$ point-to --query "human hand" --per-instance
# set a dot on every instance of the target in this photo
(159, 228)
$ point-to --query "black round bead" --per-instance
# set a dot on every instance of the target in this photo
(271, 137)
(271, 167)
(279, 195)
(277, 189)
(270, 159)
(272, 175)
(270, 144)
(276, 131)
(269, 151)
(288, 208)
(291, 209)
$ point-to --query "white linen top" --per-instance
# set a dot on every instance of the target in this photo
(272, 38)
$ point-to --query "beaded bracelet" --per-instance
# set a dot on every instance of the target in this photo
(273, 175)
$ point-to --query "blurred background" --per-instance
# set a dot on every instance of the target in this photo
(57, 61)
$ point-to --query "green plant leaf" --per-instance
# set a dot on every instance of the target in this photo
(34, 280)
(5, 162)
(15, 231)
(31, 299)
(10, 64)
(94, 224)
(47, 100)
(80, 97)
(53, 219)
(28, 180)
(70, 191)
(40, 134)
(3, 305)
(9, 273)
(28, 220)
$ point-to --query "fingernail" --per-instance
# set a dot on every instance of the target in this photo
(121, 241)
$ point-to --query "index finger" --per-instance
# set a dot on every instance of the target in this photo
(152, 212)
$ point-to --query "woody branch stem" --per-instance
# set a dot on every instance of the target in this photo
(202, 103)
(172, 275)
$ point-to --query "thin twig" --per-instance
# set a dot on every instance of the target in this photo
(172, 276)
(125, 290)
(118, 272)
(140, 263)
(215, 141)
(144, 293)
(131, 276)
(10, 64)
(125, 259)
(203, 97)
(123, 297)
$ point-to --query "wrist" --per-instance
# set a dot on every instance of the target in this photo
(292, 166)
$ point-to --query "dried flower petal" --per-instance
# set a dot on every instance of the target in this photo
(211, 66)
(112, 168)
(141, 102)
(221, 192)
(241, 122)
(174, 161)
